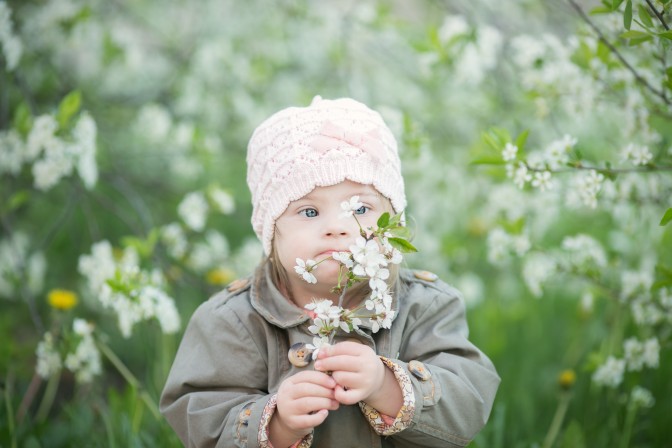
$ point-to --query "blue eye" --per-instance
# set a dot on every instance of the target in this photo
(361, 210)
(308, 212)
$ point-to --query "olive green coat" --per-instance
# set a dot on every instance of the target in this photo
(234, 356)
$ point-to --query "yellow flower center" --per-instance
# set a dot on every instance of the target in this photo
(62, 299)
(567, 379)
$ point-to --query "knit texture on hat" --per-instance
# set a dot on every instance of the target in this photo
(300, 148)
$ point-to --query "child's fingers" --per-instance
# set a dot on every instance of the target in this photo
(339, 362)
(306, 421)
(312, 377)
(347, 396)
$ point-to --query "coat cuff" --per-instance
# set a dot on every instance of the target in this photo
(266, 415)
(386, 425)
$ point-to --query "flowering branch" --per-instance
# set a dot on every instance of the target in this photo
(619, 56)
(368, 259)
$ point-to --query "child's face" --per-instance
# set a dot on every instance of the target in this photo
(311, 229)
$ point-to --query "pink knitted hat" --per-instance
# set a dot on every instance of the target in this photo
(300, 148)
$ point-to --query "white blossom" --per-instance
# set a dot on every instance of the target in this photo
(344, 258)
(84, 361)
(368, 256)
(586, 186)
(19, 266)
(349, 207)
(11, 45)
(638, 155)
(48, 359)
(542, 180)
(538, 268)
(641, 354)
(305, 268)
(584, 250)
(222, 200)
(610, 374)
(193, 209)
(641, 398)
(175, 240)
(509, 152)
(521, 176)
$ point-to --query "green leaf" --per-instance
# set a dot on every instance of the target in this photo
(663, 277)
(68, 108)
(644, 15)
(627, 15)
(23, 120)
(402, 245)
(635, 35)
(488, 160)
(615, 4)
(666, 34)
(384, 220)
(601, 10)
(667, 217)
(18, 199)
(522, 139)
(401, 232)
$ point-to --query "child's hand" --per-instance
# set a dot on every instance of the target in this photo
(356, 368)
(304, 401)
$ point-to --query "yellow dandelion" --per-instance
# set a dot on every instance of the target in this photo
(567, 379)
(62, 299)
(220, 276)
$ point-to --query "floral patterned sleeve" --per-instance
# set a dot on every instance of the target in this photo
(386, 425)
(264, 439)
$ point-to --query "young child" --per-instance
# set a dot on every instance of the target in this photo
(418, 383)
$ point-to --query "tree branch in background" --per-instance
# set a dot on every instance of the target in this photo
(658, 14)
(614, 50)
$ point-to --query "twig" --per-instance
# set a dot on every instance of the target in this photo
(658, 14)
(618, 55)
(645, 169)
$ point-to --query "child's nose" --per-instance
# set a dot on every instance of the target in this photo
(338, 227)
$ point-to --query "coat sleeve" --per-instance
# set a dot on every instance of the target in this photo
(453, 404)
(215, 393)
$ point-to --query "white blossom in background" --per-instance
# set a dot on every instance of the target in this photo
(542, 180)
(174, 239)
(584, 188)
(154, 123)
(556, 154)
(10, 43)
(84, 133)
(11, 152)
(584, 250)
(510, 152)
(54, 157)
(521, 175)
(637, 155)
(641, 397)
(610, 374)
(222, 200)
(48, 359)
(641, 354)
(634, 282)
(193, 210)
(210, 253)
(537, 269)
(84, 361)
(133, 294)
(98, 266)
(501, 245)
(20, 267)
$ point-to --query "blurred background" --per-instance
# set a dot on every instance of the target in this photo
(535, 140)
